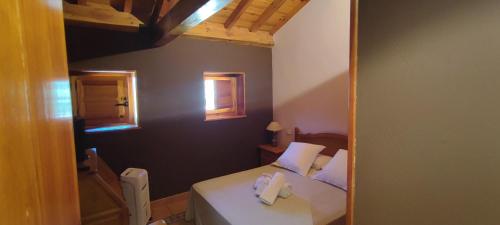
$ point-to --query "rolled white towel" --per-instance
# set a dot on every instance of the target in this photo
(262, 180)
(270, 193)
(261, 183)
(286, 190)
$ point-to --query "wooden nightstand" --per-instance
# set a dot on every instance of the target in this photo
(269, 153)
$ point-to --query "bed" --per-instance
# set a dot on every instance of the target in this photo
(230, 199)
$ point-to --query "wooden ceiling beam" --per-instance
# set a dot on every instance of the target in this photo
(100, 17)
(186, 15)
(143, 10)
(271, 9)
(217, 31)
(167, 6)
(155, 15)
(127, 6)
(285, 19)
(236, 14)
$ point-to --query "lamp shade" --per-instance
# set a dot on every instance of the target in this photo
(274, 126)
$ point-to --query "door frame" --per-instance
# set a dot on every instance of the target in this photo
(353, 74)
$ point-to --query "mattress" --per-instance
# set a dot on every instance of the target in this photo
(231, 200)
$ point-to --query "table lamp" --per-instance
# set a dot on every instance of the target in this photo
(274, 127)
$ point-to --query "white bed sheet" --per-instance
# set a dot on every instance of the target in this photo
(230, 200)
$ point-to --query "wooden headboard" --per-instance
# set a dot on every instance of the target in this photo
(333, 142)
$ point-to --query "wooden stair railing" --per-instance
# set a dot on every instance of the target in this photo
(101, 197)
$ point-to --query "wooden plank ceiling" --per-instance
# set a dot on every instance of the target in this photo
(248, 21)
(252, 22)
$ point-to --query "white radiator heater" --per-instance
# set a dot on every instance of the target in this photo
(136, 190)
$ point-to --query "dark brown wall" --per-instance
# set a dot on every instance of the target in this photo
(175, 144)
(86, 42)
(427, 145)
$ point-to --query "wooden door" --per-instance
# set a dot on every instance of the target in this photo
(37, 158)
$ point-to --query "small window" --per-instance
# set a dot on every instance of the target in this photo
(105, 99)
(224, 96)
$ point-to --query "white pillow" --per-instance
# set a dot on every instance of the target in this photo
(299, 157)
(321, 161)
(335, 172)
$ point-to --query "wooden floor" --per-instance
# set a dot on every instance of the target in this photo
(165, 207)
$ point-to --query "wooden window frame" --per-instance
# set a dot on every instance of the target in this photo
(129, 76)
(238, 109)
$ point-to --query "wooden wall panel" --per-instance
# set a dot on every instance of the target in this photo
(21, 205)
(37, 162)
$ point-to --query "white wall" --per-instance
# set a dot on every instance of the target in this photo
(310, 69)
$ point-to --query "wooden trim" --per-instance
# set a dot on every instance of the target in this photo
(242, 108)
(234, 94)
(221, 111)
(225, 117)
(216, 74)
(285, 19)
(240, 35)
(218, 77)
(99, 72)
(275, 5)
(236, 14)
(353, 73)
